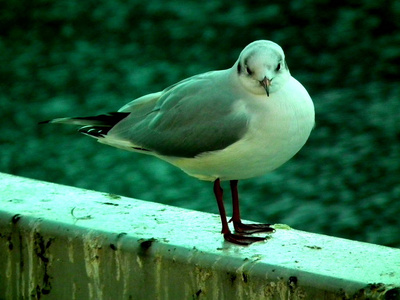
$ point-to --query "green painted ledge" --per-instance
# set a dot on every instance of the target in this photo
(60, 242)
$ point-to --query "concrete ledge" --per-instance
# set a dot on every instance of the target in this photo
(59, 242)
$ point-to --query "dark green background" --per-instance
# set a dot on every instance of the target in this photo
(69, 58)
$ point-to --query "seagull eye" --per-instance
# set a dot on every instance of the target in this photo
(278, 67)
(248, 70)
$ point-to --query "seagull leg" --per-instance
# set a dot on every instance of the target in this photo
(237, 222)
(228, 235)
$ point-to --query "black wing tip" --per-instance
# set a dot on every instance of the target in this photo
(95, 131)
(109, 120)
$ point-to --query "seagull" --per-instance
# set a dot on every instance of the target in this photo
(225, 125)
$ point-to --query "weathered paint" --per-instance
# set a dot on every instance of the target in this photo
(59, 242)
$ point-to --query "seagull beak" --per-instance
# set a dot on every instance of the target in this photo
(266, 84)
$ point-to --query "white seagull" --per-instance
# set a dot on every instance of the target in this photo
(231, 124)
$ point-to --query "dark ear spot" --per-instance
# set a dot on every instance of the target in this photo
(239, 68)
(249, 71)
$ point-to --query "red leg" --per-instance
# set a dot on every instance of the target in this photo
(219, 194)
(237, 222)
(228, 235)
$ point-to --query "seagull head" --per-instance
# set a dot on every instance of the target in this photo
(262, 68)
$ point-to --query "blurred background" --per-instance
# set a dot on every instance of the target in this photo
(78, 58)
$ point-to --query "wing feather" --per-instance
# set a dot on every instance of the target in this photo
(185, 120)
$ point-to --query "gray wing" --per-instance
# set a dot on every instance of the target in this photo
(191, 117)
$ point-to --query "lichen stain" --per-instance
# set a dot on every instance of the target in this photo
(16, 218)
(41, 250)
(378, 291)
(285, 289)
(145, 245)
(113, 196)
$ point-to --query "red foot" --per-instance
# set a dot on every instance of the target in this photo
(242, 239)
(252, 228)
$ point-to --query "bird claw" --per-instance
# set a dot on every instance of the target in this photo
(242, 239)
(252, 228)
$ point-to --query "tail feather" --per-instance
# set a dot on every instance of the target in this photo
(97, 126)
(106, 120)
